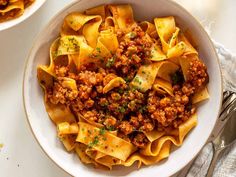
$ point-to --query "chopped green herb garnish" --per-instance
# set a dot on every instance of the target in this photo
(94, 142)
(110, 62)
(132, 35)
(98, 49)
(111, 128)
(143, 109)
(127, 79)
(136, 79)
(102, 131)
(120, 91)
(121, 109)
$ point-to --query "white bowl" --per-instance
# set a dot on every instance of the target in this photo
(45, 132)
(27, 13)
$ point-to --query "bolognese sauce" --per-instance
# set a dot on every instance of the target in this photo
(126, 109)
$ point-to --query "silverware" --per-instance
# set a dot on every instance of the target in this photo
(227, 109)
(226, 137)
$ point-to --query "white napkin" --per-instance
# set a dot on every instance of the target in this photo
(226, 165)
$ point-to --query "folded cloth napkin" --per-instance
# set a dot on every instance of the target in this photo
(226, 165)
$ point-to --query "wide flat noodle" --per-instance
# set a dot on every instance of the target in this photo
(70, 45)
(83, 119)
(153, 148)
(110, 23)
(159, 148)
(145, 77)
(45, 77)
(83, 57)
(149, 160)
(157, 54)
(99, 10)
(68, 141)
(59, 113)
(123, 16)
(165, 28)
(116, 82)
(189, 50)
(60, 47)
(106, 160)
(91, 33)
(80, 149)
(109, 39)
(200, 95)
(69, 83)
(76, 20)
(162, 86)
(166, 69)
(64, 128)
(108, 143)
(154, 135)
(149, 28)
(177, 50)
(88, 24)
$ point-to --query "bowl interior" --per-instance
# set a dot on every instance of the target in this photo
(27, 13)
(45, 131)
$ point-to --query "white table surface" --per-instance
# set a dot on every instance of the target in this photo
(21, 156)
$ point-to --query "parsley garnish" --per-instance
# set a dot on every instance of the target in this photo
(120, 91)
(111, 128)
(132, 35)
(127, 79)
(136, 79)
(121, 109)
(110, 62)
(102, 131)
(94, 142)
(98, 49)
(143, 109)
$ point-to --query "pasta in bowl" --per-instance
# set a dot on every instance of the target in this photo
(12, 9)
(121, 91)
(125, 91)
(13, 12)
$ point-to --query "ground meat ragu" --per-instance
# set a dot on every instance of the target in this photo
(125, 109)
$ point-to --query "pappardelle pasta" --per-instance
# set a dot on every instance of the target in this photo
(10, 9)
(122, 91)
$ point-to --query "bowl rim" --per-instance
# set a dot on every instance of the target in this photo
(199, 25)
(18, 20)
